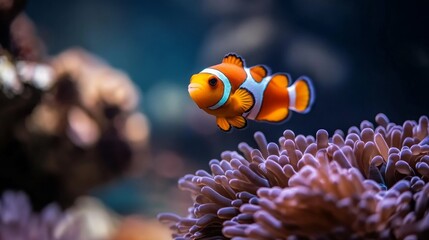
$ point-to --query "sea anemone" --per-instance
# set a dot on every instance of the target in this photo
(323, 202)
(373, 179)
(18, 221)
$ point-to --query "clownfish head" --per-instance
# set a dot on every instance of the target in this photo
(205, 89)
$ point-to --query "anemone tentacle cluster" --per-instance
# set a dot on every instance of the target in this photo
(18, 221)
(369, 183)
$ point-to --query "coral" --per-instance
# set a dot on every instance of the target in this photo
(88, 117)
(365, 184)
(67, 124)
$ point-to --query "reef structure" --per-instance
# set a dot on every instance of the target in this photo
(371, 183)
(68, 123)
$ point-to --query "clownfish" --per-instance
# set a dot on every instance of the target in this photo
(233, 93)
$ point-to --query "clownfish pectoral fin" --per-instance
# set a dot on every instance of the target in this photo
(243, 100)
(281, 80)
(237, 121)
(233, 58)
(223, 124)
(259, 72)
(301, 95)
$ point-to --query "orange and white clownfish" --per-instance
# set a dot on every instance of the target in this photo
(233, 93)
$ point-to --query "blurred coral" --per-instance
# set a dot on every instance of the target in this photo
(371, 183)
(83, 130)
(96, 222)
(67, 124)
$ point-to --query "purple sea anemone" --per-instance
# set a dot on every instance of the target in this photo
(19, 222)
(368, 183)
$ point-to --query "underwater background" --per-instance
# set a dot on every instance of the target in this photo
(364, 57)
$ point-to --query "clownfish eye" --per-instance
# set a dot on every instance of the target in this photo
(212, 82)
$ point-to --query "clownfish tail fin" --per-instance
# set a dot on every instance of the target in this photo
(301, 95)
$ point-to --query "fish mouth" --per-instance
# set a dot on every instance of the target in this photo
(194, 87)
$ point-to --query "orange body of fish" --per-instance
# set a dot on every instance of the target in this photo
(233, 93)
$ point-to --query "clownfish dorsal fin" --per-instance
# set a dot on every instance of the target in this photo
(237, 121)
(259, 72)
(243, 99)
(233, 58)
(281, 80)
(223, 124)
